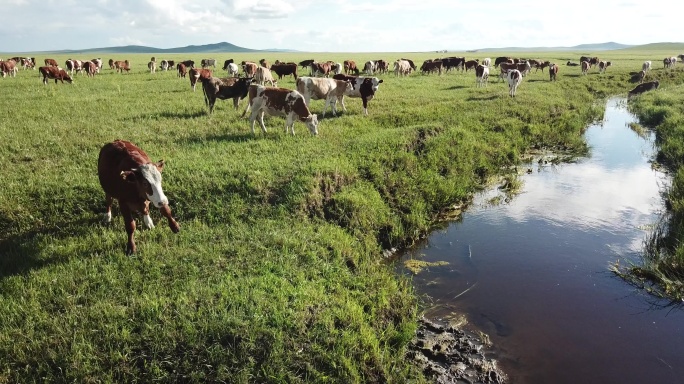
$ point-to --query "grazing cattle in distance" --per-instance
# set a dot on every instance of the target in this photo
(571, 64)
(128, 175)
(369, 67)
(481, 75)
(51, 63)
(585, 67)
(98, 63)
(121, 66)
(553, 72)
(330, 90)
(8, 68)
(306, 63)
(643, 87)
(603, 65)
(90, 68)
(413, 66)
(54, 73)
(646, 66)
(188, 64)
(363, 87)
(350, 66)
(196, 74)
(225, 88)
(233, 70)
(206, 63)
(452, 62)
(431, 66)
(28, 62)
(381, 66)
(225, 64)
(471, 64)
(280, 102)
(74, 66)
(591, 60)
(285, 69)
(264, 75)
(669, 62)
(402, 67)
(111, 64)
(501, 59)
(322, 69)
(152, 66)
(514, 80)
(164, 66)
(249, 68)
(182, 70)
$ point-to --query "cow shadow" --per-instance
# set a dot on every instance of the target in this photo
(228, 137)
(482, 98)
(538, 81)
(453, 87)
(572, 75)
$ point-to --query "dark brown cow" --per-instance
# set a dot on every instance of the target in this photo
(188, 63)
(643, 87)
(453, 63)
(284, 69)
(471, 64)
(553, 72)
(381, 66)
(305, 63)
(54, 73)
(90, 68)
(197, 75)
(322, 69)
(501, 59)
(182, 70)
(111, 64)
(128, 175)
(225, 64)
(51, 62)
(585, 67)
(431, 66)
(350, 66)
(225, 88)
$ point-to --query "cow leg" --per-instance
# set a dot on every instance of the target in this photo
(344, 107)
(147, 220)
(289, 124)
(108, 203)
(365, 105)
(236, 101)
(129, 222)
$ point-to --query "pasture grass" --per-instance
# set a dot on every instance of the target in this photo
(277, 274)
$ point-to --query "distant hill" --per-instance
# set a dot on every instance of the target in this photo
(675, 47)
(207, 48)
(582, 47)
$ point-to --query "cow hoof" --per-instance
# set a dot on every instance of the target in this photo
(149, 223)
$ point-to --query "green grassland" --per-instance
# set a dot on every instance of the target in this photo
(277, 274)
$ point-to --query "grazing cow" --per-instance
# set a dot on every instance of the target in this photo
(501, 59)
(553, 72)
(603, 65)
(280, 102)
(152, 66)
(669, 62)
(264, 63)
(452, 62)
(111, 64)
(206, 63)
(172, 64)
(164, 66)
(481, 75)
(514, 80)
(8, 68)
(233, 70)
(74, 66)
(28, 62)
(350, 66)
(249, 69)
(369, 67)
(363, 87)
(336, 68)
(128, 175)
(413, 66)
(591, 60)
(643, 87)
(188, 63)
(306, 63)
(54, 73)
(585, 67)
(90, 68)
(182, 70)
(471, 64)
(322, 69)
(223, 89)
(431, 66)
(402, 67)
(330, 90)
(381, 66)
(122, 66)
(642, 76)
(51, 62)
(225, 64)
(646, 66)
(285, 69)
(98, 63)
(197, 74)
(263, 75)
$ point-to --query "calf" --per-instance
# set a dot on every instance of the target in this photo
(514, 80)
(363, 87)
(603, 65)
(54, 73)
(643, 87)
(197, 74)
(223, 89)
(329, 89)
(481, 75)
(284, 69)
(128, 175)
(264, 75)
(471, 64)
(280, 102)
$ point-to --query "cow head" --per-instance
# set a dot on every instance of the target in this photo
(312, 123)
(376, 83)
(147, 179)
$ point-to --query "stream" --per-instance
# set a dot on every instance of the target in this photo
(532, 271)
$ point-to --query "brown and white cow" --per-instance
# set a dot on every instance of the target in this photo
(603, 65)
(553, 72)
(225, 88)
(514, 79)
(56, 73)
(98, 63)
(128, 175)
(585, 67)
(280, 102)
(643, 87)
(481, 75)
(8, 68)
(363, 87)
(330, 90)
(51, 62)
(350, 66)
(90, 68)
(249, 68)
(74, 66)
(152, 66)
(264, 75)
(413, 65)
(197, 74)
(285, 69)
(320, 69)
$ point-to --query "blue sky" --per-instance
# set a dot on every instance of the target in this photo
(334, 25)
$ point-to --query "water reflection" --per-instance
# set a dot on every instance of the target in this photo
(533, 273)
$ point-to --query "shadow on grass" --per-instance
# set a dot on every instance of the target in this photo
(572, 75)
(228, 137)
(483, 98)
(453, 87)
(538, 81)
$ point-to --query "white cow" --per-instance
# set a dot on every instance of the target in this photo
(514, 79)
(264, 75)
(481, 75)
(369, 67)
(487, 62)
(402, 67)
(646, 66)
(233, 70)
(318, 88)
(152, 66)
(280, 102)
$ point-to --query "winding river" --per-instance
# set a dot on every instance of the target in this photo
(532, 273)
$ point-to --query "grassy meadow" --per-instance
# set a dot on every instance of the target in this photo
(277, 274)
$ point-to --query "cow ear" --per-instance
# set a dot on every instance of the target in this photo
(129, 176)
(160, 165)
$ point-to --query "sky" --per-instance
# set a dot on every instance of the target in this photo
(335, 25)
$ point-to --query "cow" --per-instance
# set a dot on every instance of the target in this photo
(233, 70)
(500, 59)
(197, 74)
(322, 69)
(452, 62)
(28, 62)
(225, 88)
(90, 68)
(643, 87)
(280, 102)
(542, 65)
(402, 67)
(591, 60)
(152, 66)
(306, 63)
(330, 90)
(413, 66)
(182, 70)
(603, 65)
(49, 72)
(669, 62)
(585, 67)
(646, 66)
(642, 76)
(98, 63)
(264, 63)
(680, 57)
(225, 64)
(487, 62)
(188, 64)
(553, 72)
(172, 64)
(122, 66)
(164, 66)
(514, 80)
(206, 63)
(363, 87)
(381, 66)
(571, 64)
(8, 68)
(111, 64)
(350, 66)
(336, 68)
(369, 67)
(74, 66)
(431, 66)
(51, 62)
(285, 69)
(128, 175)
(263, 75)
(481, 75)
(249, 69)
(471, 64)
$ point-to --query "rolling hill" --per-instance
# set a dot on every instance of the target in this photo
(206, 48)
(582, 47)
